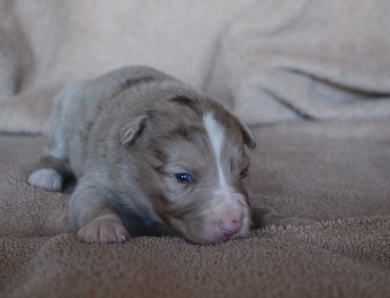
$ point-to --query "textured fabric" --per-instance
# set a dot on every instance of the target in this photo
(335, 173)
(288, 60)
(48, 43)
(277, 61)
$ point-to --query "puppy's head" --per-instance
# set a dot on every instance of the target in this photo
(188, 160)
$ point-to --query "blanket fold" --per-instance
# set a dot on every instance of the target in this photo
(304, 59)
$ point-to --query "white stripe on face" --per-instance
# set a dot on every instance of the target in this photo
(215, 133)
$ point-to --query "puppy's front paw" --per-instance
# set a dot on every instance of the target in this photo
(103, 230)
(295, 221)
(47, 179)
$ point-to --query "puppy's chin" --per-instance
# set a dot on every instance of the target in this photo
(201, 231)
(212, 234)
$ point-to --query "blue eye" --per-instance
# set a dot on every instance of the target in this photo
(184, 178)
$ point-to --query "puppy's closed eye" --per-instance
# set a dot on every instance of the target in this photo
(244, 173)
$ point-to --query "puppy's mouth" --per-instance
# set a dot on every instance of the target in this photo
(223, 238)
(212, 232)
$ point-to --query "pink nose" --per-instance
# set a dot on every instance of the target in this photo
(230, 227)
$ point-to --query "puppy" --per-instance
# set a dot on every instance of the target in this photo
(150, 155)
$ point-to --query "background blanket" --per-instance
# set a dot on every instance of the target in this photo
(310, 59)
(268, 61)
(280, 61)
(45, 44)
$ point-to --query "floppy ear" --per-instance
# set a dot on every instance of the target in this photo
(247, 135)
(132, 129)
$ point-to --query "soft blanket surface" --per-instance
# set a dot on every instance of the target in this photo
(309, 170)
(269, 62)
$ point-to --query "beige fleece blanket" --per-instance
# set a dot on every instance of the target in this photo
(282, 60)
(339, 178)
(312, 59)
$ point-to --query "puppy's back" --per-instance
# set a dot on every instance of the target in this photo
(78, 106)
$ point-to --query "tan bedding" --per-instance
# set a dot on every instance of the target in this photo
(309, 170)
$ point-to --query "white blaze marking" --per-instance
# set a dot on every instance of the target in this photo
(215, 133)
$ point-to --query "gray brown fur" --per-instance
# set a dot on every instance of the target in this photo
(124, 136)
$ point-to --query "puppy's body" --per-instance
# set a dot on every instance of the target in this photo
(148, 152)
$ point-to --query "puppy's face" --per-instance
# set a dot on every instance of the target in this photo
(192, 167)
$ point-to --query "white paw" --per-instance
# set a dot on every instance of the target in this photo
(47, 179)
(103, 231)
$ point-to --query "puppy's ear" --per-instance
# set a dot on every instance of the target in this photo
(247, 135)
(132, 130)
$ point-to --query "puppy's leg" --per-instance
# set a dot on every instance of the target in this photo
(266, 216)
(53, 168)
(49, 173)
(93, 218)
